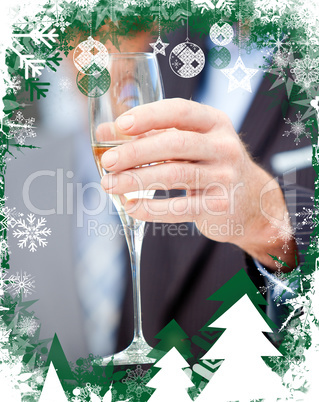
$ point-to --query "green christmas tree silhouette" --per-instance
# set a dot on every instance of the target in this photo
(172, 336)
(233, 290)
(57, 357)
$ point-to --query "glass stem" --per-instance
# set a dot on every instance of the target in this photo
(134, 237)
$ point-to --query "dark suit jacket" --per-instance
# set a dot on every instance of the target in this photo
(180, 272)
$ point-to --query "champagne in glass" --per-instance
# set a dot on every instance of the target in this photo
(135, 80)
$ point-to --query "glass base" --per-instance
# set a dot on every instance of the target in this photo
(136, 353)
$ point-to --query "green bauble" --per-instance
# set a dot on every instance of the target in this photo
(94, 83)
(219, 57)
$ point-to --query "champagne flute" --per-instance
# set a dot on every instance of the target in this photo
(135, 80)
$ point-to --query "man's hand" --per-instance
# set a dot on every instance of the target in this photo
(204, 156)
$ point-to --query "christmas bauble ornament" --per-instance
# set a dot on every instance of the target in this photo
(187, 60)
(219, 57)
(221, 35)
(88, 53)
(95, 83)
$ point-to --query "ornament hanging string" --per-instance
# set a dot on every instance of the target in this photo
(159, 18)
(187, 38)
(239, 29)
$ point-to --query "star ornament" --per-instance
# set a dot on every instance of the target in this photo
(239, 76)
(159, 46)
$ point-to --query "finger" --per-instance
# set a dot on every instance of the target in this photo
(175, 210)
(166, 176)
(171, 145)
(169, 113)
(105, 132)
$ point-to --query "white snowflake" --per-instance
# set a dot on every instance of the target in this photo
(10, 216)
(298, 128)
(277, 43)
(21, 283)
(62, 23)
(281, 59)
(270, 10)
(169, 3)
(137, 3)
(21, 128)
(4, 248)
(313, 247)
(306, 71)
(136, 381)
(307, 215)
(15, 85)
(273, 285)
(64, 84)
(285, 232)
(86, 4)
(279, 64)
(3, 284)
(27, 326)
(31, 232)
(227, 6)
(307, 17)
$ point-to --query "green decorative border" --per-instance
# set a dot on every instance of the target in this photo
(286, 31)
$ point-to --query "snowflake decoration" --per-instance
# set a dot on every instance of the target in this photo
(270, 10)
(285, 232)
(169, 3)
(21, 128)
(15, 85)
(307, 17)
(278, 286)
(64, 84)
(61, 23)
(10, 216)
(3, 283)
(281, 59)
(306, 71)
(21, 283)
(277, 43)
(278, 265)
(297, 128)
(314, 246)
(27, 326)
(136, 3)
(279, 64)
(4, 248)
(283, 363)
(31, 232)
(308, 216)
(136, 381)
(88, 5)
